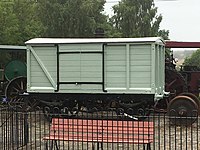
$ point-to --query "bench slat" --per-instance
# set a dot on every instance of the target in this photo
(110, 123)
(119, 130)
(120, 136)
(110, 131)
(105, 139)
(148, 132)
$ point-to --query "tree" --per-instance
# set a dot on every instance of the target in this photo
(193, 60)
(8, 24)
(18, 22)
(137, 18)
(71, 18)
(164, 34)
(28, 22)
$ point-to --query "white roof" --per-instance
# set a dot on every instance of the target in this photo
(12, 47)
(93, 40)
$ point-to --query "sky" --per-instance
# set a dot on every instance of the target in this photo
(180, 17)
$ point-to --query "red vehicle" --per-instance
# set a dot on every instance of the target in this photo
(183, 85)
(188, 78)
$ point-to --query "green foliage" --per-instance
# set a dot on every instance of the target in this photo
(137, 18)
(71, 18)
(28, 22)
(164, 34)
(193, 60)
(21, 20)
(8, 24)
(18, 22)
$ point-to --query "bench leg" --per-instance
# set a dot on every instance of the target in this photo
(148, 147)
(52, 145)
(56, 144)
(93, 146)
(101, 145)
(47, 147)
(97, 146)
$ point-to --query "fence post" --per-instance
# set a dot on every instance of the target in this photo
(15, 131)
(26, 127)
(20, 130)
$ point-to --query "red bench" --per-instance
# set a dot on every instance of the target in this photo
(100, 131)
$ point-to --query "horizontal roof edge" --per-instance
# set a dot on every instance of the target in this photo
(12, 47)
(92, 40)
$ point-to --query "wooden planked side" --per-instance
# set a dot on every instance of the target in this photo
(93, 47)
(128, 67)
(80, 63)
(39, 78)
(115, 66)
(81, 68)
(140, 66)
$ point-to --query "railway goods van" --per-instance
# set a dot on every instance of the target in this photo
(126, 72)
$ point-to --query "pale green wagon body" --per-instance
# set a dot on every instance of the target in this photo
(96, 66)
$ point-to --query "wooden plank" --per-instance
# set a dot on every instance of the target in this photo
(99, 139)
(104, 122)
(110, 131)
(98, 134)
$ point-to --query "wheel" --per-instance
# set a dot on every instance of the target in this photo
(136, 111)
(13, 92)
(175, 84)
(73, 107)
(192, 96)
(182, 110)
